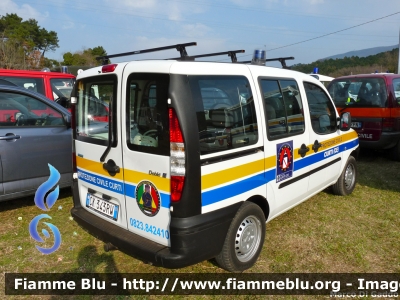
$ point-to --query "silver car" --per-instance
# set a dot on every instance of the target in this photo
(34, 132)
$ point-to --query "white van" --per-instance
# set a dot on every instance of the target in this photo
(198, 156)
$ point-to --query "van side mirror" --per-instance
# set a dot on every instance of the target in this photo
(345, 121)
(63, 101)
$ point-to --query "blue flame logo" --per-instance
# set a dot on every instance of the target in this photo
(45, 187)
(52, 196)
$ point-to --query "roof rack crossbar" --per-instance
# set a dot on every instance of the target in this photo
(179, 47)
(282, 60)
(231, 53)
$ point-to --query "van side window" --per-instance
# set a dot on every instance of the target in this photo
(147, 113)
(283, 107)
(396, 86)
(226, 114)
(322, 111)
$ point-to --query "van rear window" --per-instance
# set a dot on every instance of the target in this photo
(94, 97)
(147, 113)
(359, 92)
(226, 114)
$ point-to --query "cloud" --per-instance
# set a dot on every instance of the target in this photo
(140, 4)
(246, 3)
(241, 2)
(25, 11)
(312, 2)
(172, 10)
(196, 30)
(68, 25)
(280, 3)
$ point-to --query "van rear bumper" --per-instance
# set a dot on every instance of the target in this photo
(193, 239)
(387, 140)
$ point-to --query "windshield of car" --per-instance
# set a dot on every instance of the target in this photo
(396, 86)
(359, 92)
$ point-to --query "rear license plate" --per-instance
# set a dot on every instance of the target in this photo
(101, 206)
(356, 124)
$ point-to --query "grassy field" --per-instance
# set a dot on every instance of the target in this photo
(327, 233)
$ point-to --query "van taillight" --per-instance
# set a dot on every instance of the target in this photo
(177, 183)
(108, 68)
(177, 158)
(388, 124)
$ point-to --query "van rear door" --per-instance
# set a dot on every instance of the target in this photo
(98, 151)
(146, 152)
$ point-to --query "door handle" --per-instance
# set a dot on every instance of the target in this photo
(303, 150)
(111, 167)
(316, 146)
(10, 136)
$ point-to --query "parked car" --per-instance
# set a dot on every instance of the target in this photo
(34, 132)
(55, 86)
(374, 103)
(48, 84)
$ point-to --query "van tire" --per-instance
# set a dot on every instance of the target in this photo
(244, 240)
(347, 181)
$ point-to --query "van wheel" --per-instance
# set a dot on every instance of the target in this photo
(244, 240)
(347, 180)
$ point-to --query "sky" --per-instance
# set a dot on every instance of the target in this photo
(299, 28)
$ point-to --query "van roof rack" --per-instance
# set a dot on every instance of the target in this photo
(282, 60)
(180, 47)
(231, 53)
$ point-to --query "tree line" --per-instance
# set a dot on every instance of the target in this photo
(23, 45)
(381, 62)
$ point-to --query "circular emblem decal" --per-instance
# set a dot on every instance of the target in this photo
(148, 198)
(285, 157)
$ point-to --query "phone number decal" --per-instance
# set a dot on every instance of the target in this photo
(149, 228)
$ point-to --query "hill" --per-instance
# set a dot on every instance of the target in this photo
(362, 53)
(382, 62)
